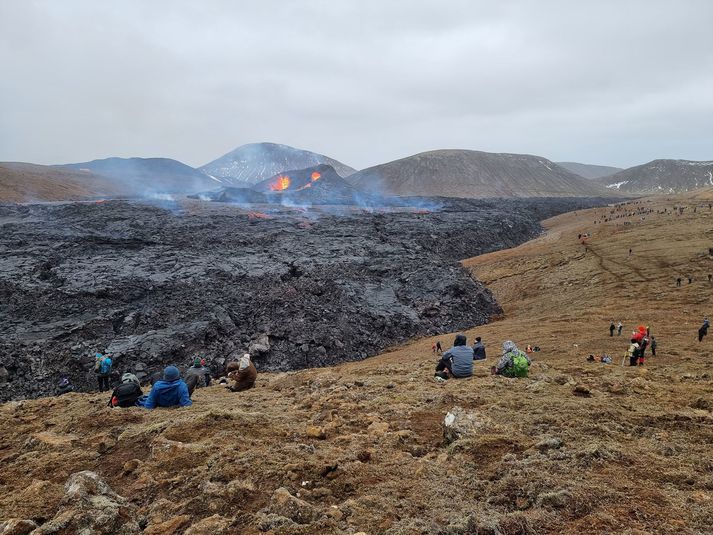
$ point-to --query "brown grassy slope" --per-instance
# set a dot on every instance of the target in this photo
(632, 457)
(24, 182)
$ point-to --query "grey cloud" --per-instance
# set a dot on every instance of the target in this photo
(616, 83)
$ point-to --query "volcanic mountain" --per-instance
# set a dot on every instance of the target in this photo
(25, 182)
(466, 173)
(587, 170)
(141, 176)
(661, 176)
(249, 164)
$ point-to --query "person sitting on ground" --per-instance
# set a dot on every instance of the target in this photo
(244, 377)
(171, 391)
(127, 393)
(478, 349)
(457, 361)
(197, 376)
(513, 363)
(64, 386)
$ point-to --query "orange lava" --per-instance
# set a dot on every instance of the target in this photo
(281, 183)
(316, 176)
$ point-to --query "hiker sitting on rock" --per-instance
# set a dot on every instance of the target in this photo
(197, 376)
(457, 361)
(127, 393)
(171, 391)
(64, 386)
(244, 376)
(513, 363)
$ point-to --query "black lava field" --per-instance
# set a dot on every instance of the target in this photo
(155, 285)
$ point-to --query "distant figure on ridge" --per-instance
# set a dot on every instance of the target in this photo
(171, 391)
(653, 346)
(619, 327)
(244, 376)
(439, 348)
(478, 349)
(611, 328)
(513, 363)
(457, 361)
(678, 281)
(703, 331)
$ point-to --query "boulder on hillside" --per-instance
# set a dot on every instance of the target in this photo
(91, 506)
(460, 423)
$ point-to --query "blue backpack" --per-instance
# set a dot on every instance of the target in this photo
(105, 366)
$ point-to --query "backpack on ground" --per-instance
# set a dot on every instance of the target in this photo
(125, 395)
(520, 366)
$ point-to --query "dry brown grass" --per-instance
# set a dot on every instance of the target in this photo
(633, 457)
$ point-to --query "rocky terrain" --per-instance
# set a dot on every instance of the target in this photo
(144, 177)
(249, 164)
(25, 182)
(468, 173)
(577, 448)
(661, 177)
(587, 170)
(301, 289)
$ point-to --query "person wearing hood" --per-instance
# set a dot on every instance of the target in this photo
(457, 361)
(64, 386)
(127, 394)
(197, 376)
(244, 377)
(171, 391)
(513, 363)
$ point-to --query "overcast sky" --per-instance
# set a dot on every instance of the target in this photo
(610, 82)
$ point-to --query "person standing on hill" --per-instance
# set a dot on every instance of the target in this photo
(611, 328)
(653, 346)
(102, 367)
(634, 352)
(439, 348)
(619, 327)
(703, 331)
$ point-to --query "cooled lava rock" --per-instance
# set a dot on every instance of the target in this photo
(156, 287)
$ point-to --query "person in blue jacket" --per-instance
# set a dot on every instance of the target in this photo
(169, 392)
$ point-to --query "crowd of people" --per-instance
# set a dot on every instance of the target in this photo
(168, 388)
(457, 362)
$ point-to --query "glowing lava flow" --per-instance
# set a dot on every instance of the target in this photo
(281, 183)
(316, 176)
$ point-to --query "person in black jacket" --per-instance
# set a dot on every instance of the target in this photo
(127, 393)
(478, 349)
